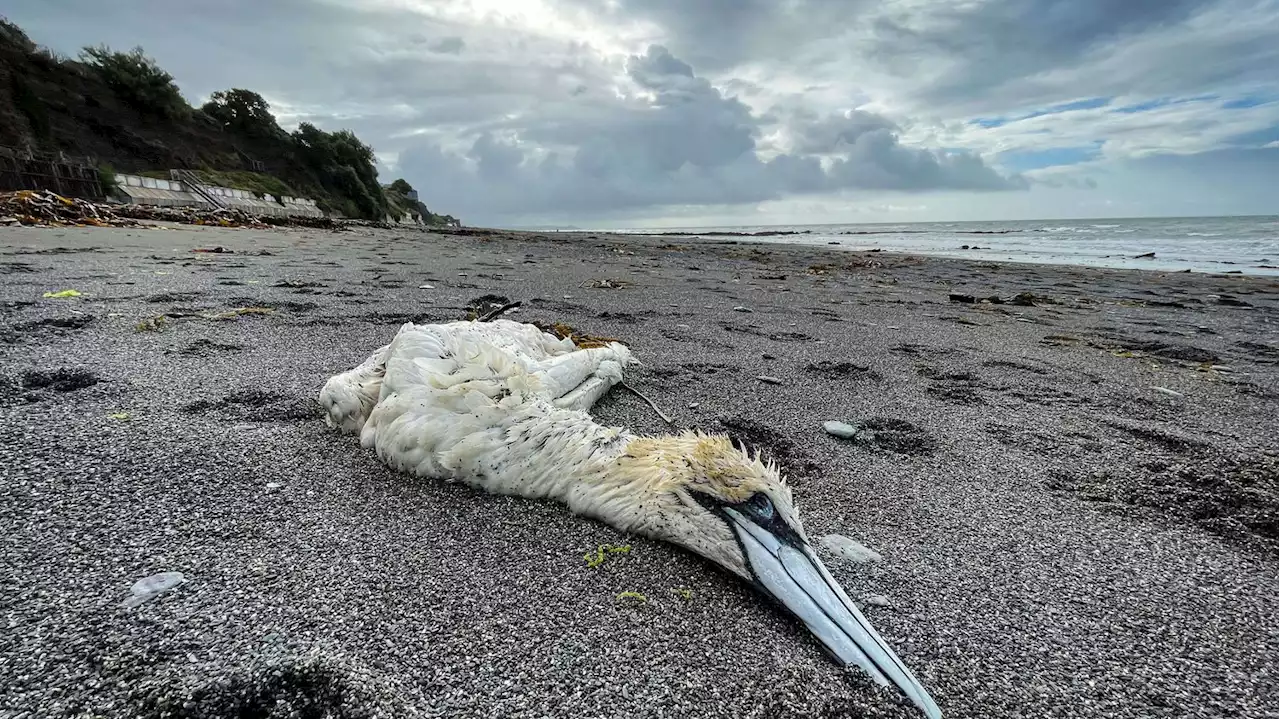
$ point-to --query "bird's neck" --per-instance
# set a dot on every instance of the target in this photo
(600, 472)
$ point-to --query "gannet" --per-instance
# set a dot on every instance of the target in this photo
(503, 406)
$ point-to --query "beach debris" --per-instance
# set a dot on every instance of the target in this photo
(213, 250)
(48, 209)
(239, 312)
(1170, 392)
(740, 308)
(62, 294)
(1021, 299)
(606, 284)
(152, 324)
(581, 340)
(843, 430)
(122, 416)
(1145, 256)
(498, 311)
(274, 485)
(768, 379)
(874, 600)
(148, 588)
(634, 598)
(683, 592)
(648, 401)
(426, 287)
(849, 549)
(596, 559)
(157, 323)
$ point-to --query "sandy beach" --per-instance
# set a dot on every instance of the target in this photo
(1073, 489)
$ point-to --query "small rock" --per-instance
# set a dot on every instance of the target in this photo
(963, 299)
(850, 549)
(1166, 390)
(153, 586)
(693, 405)
(842, 430)
(426, 287)
(740, 308)
(768, 379)
(1145, 256)
(874, 600)
(274, 485)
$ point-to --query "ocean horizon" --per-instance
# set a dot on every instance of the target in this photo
(1243, 244)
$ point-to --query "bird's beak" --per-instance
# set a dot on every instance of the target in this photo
(786, 568)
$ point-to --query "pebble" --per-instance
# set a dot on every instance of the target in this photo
(426, 287)
(740, 308)
(842, 430)
(1166, 390)
(153, 586)
(769, 379)
(849, 549)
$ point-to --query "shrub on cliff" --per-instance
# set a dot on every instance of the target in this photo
(244, 112)
(138, 81)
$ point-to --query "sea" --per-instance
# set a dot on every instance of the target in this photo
(1245, 245)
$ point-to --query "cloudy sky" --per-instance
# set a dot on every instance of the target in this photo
(690, 112)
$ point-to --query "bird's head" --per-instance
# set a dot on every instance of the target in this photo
(715, 499)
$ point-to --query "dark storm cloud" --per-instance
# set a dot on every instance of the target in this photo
(1022, 52)
(691, 145)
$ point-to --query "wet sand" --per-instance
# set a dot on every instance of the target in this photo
(1059, 538)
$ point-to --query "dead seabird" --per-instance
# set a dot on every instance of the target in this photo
(502, 406)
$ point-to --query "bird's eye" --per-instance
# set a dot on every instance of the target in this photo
(760, 505)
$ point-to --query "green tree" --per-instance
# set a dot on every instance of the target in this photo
(401, 186)
(138, 81)
(345, 166)
(242, 111)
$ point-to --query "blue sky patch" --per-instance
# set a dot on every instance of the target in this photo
(1086, 104)
(1024, 160)
(1242, 103)
(1162, 102)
